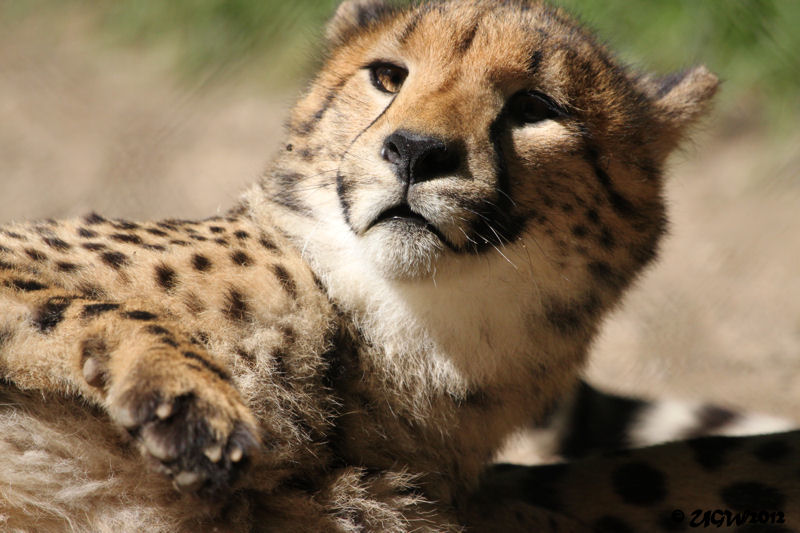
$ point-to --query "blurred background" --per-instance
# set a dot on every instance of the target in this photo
(154, 108)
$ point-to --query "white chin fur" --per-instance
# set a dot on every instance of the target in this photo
(402, 250)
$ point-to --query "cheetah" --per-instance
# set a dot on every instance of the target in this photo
(466, 188)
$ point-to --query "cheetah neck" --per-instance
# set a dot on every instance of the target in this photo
(477, 322)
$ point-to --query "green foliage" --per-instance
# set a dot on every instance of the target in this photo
(752, 44)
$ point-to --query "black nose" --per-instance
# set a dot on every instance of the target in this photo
(419, 158)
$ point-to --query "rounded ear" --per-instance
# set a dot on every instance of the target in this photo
(678, 101)
(354, 16)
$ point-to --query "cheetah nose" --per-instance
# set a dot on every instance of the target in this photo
(418, 158)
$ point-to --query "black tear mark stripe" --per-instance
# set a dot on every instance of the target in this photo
(51, 313)
(495, 224)
(208, 365)
(341, 188)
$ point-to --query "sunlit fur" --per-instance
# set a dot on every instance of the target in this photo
(382, 364)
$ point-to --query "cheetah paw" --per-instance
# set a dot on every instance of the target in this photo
(194, 427)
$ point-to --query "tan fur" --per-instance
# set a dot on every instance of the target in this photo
(363, 373)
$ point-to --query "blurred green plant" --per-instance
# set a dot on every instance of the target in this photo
(752, 44)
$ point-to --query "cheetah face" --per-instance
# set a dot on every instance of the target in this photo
(494, 128)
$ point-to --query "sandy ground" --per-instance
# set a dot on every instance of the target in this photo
(718, 318)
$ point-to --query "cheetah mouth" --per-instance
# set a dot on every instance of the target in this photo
(401, 212)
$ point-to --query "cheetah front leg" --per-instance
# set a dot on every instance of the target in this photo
(153, 380)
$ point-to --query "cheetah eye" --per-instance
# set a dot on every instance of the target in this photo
(529, 107)
(386, 77)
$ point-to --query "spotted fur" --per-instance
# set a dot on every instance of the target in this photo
(419, 273)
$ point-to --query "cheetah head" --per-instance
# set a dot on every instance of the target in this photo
(452, 134)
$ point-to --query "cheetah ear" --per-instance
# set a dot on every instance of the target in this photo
(679, 100)
(354, 16)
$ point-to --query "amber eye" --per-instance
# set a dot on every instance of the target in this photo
(529, 107)
(387, 77)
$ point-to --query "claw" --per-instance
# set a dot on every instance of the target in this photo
(164, 410)
(236, 453)
(93, 372)
(156, 446)
(214, 453)
(188, 480)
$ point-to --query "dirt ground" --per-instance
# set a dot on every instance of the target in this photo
(86, 127)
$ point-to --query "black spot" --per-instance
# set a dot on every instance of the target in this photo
(772, 451)
(201, 263)
(606, 238)
(6, 266)
(94, 219)
(248, 357)
(567, 208)
(156, 247)
(579, 230)
(155, 329)
(592, 216)
(749, 495)
(193, 303)
(15, 235)
(570, 317)
(198, 238)
(710, 452)
(221, 241)
(611, 524)
(139, 315)
(179, 242)
(166, 277)
(216, 229)
(619, 203)
(603, 273)
(35, 254)
(94, 246)
(92, 310)
(241, 235)
(86, 233)
(126, 237)
(157, 232)
(639, 484)
(240, 258)
(56, 243)
(286, 280)
(114, 259)
(124, 224)
(289, 147)
(235, 306)
(27, 285)
(267, 243)
(49, 315)
(208, 364)
(4, 250)
(64, 266)
(538, 486)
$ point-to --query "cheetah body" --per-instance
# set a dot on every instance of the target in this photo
(357, 337)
